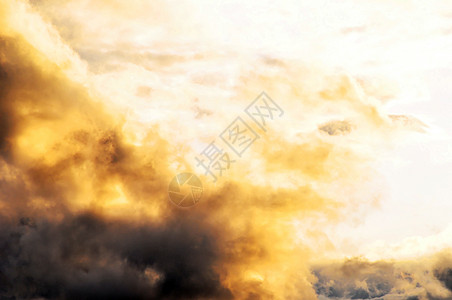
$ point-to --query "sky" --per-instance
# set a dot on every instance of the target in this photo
(344, 195)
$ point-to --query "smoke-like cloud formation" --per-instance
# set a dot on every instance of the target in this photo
(360, 279)
(103, 102)
(86, 257)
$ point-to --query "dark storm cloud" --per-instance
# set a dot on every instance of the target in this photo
(86, 257)
(49, 251)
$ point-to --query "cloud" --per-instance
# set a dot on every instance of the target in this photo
(358, 278)
(86, 257)
(102, 103)
(336, 127)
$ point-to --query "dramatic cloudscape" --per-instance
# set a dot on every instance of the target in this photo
(343, 193)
